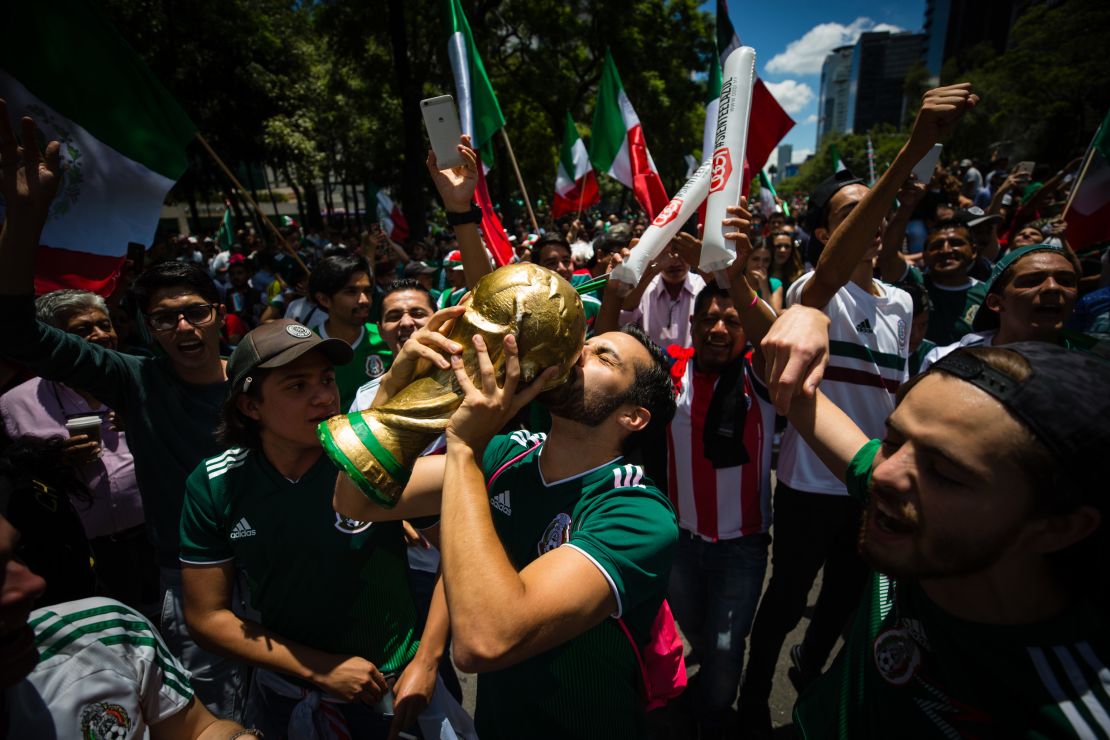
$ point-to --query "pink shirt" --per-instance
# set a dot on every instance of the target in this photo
(39, 408)
(664, 319)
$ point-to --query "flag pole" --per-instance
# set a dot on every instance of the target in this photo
(1082, 173)
(520, 181)
(247, 197)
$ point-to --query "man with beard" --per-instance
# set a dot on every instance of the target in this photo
(986, 611)
(552, 546)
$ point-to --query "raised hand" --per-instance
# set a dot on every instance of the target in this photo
(739, 219)
(456, 185)
(29, 178)
(427, 343)
(911, 193)
(941, 109)
(486, 408)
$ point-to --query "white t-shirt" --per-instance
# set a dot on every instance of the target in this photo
(425, 559)
(103, 672)
(974, 339)
(306, 312)
(868, 360)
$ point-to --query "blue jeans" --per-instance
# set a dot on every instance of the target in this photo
(219, 682)
(713, 592)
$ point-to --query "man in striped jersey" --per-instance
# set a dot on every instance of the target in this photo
(93, 669)
(548, 542)
(815, 519)
(719, 480)
(984, 503)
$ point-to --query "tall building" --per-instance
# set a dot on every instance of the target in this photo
(786, 153)
(880, 61)
(832, 103)
(953, 27)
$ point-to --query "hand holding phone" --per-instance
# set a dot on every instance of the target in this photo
(441, 121)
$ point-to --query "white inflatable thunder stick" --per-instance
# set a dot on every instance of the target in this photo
(729, 144)
(657, 236)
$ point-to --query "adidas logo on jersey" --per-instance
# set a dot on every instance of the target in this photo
(242, 529)
(864, 327)
(501, 503)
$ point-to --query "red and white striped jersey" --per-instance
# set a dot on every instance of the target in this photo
(725, 503)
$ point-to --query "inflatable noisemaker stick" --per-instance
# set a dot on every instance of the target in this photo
(729, 145)
(657, 236)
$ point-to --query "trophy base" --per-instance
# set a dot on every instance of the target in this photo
(351, 444)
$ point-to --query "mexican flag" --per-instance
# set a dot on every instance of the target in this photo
(389, 215)
(837, 162)
(768, 124)
(225, 235)
(123, 137)
(617, 144)
(1088, 213)
(480, 116)
(575, 182)
(767, 197)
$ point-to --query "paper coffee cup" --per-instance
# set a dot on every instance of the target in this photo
(89, 425)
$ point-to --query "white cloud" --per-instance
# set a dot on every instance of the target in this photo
(806, 55)
(792, 95)
(811, 118)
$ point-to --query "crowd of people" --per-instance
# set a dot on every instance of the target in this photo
(906, 389)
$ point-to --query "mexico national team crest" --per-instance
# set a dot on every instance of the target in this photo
(347, 525)
(374, 367)
(897, 656)
(556, 534)
(104, 721)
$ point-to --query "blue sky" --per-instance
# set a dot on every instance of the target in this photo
(791, 39)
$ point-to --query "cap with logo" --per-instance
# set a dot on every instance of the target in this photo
(976, 216)
(277, 344)
(453, 260)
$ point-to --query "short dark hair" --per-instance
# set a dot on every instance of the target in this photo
(236, 429)
(706, 296)
(548, 240)
(333, 273)
(652, 389)
(165, 275)
(408, 284)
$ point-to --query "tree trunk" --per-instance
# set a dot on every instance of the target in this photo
(346, 205)
(191, 196)
(313, 219)
(273, 198)
(296, 195)
(411, 194)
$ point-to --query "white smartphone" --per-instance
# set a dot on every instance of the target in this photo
(924, 169)
(441, 121)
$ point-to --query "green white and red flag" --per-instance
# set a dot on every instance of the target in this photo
(225, 235)
(617, 144)
(1088, 212)
(389, 215)
(480, 116)
(575, 182)
(123, 137)
(768, 124)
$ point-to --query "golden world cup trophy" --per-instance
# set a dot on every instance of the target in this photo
(377, 447)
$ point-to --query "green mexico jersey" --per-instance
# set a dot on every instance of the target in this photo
(953, 310)
(614, 515)
(450, 297)
(910, 670)
(316, 577)
(372, 358)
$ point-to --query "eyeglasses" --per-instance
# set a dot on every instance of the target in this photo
(199, 314)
